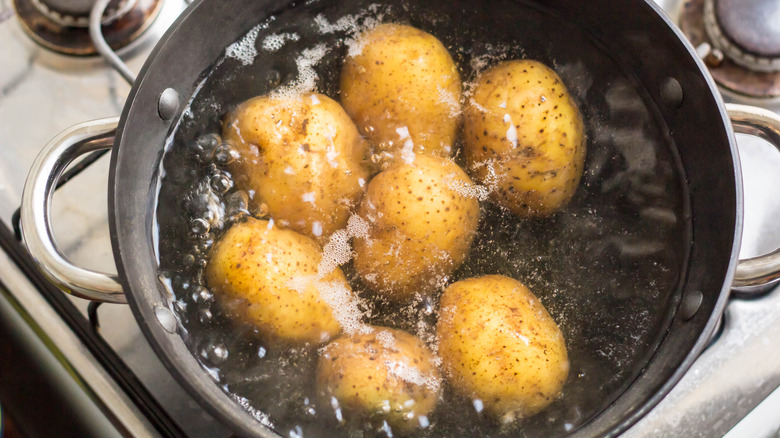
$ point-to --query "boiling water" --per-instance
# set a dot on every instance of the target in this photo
(608, 267)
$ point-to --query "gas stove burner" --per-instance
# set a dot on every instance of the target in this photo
(739, 41)
(62, 25)
(747, 32)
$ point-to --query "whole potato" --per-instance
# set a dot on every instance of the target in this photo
(524, 137)
(403, 90)
(498, 344)
(421, 220)
(269, 277)
(302, 157)
(384, 375)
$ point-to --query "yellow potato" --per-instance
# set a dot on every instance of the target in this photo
(385, 375)
(499, 345)
(267, 275)
(523, 137)
(403, 90)
(422, 217)
(302, 157)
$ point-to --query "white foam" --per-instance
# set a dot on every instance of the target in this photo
(407, 152)
(479, 107)
(412, 374)
(344, 305)
(309, 197)
(353, 26)
(525, 340)
(338, 250)
(335, 253)
(244, 49)
(306, 82)
(316, 229)
(331, 154)
(386, 339)
(511, 132)
(480, 192)
(357, 226)
(276, 41)
(450, 101)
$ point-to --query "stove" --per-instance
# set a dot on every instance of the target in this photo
(105, 379)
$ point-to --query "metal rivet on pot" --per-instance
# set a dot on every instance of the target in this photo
(168, 104)
(690, 305)
(165, 317)
(671, 92)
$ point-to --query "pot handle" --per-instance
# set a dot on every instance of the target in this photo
(764, 124)
(36, 211)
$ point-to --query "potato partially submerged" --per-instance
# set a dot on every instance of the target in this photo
(268, 276)
(422, 218)
(403, 89)
(523, 137)
(301, 156)
(385, 375)
(498, 344)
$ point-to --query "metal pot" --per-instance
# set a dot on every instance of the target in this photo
(634, 31)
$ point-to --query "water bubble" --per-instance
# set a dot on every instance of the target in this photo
(188, 260)
(261, 352)
(209, 216)
(221, 182)
(428, 306)
(226, 154)
(237, 205)
(199, 226)
(204, 243)
(202, 295)
(205, 316)
(205, 145)
(273, 78)
(180, 283)
(297, 432)
(334, 403)
(214, 353)
(180, 306)
(262, 210)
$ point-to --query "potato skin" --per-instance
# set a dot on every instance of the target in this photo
(522, 123)
(302, 157)
(403, 78)
(387, 374)
(421, 225)
(253, 270)
(498, 344)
